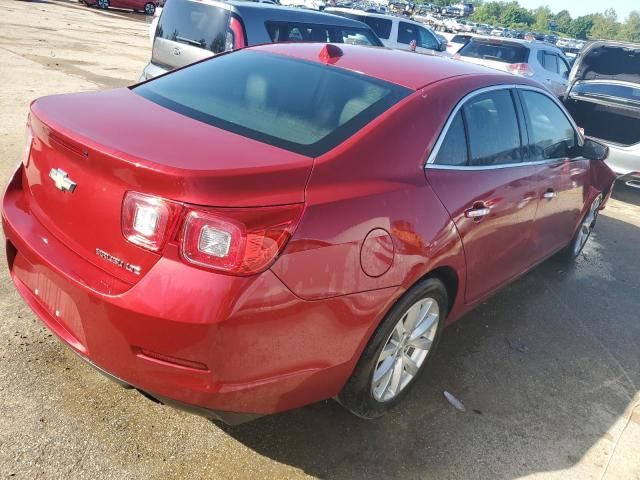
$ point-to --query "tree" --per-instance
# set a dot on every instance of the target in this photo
(630, 30)
(513, 14)
(488, 13)
(580, 27)
(605, 25)
(563, 21)
(542, 19)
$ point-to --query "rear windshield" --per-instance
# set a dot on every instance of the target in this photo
(497, 51)
(382, 26)
(305, 32)
(194, 23)
(622, 93)
(301, 106)
(460, 38)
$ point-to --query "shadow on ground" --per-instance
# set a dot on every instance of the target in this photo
(538, 408)
(627, 194)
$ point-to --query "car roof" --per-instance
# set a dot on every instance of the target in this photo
(408, 69)
(266, 11)
(373, 14)
(519, 41)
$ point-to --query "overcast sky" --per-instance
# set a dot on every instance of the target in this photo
(584, 7)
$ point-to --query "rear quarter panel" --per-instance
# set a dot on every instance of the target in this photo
(375, 180)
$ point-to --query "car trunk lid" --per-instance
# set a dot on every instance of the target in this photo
(608, 61)
(109, 143)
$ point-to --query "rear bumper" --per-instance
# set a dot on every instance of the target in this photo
(151, 71)
(623, 160)
(186, 336)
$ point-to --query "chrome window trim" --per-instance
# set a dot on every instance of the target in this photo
(430, 164)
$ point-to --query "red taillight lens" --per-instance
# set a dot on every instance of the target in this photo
(235, 35)
(238, 241)
(522, 69)
(147, 221)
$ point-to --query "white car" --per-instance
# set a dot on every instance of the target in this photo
(498, 32)
(310, 4)
(397, 32)
(457, 42)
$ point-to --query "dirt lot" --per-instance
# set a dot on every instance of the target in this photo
(566, 406)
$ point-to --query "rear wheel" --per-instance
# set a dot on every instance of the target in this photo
(104, 4)
(573, 250)
(398, 352)
(149, 8)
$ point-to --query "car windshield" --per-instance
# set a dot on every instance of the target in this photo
(302, 106)
(303, 32)
(619, 92)
(498, 51)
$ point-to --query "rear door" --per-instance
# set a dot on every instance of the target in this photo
(564, 181)
(189, 31)
(479, 171)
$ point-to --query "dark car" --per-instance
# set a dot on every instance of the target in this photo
(189, 31)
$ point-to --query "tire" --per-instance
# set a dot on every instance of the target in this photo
(572, 251)
(363, 395)
(103, 4)
(149, 8)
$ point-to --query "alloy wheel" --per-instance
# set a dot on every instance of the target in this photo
(405, 350)
(587, 225)
(149, 9)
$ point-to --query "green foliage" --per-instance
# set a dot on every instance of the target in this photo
(596, 26)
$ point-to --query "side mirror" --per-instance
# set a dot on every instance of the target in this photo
(442, 47)
(593, 150)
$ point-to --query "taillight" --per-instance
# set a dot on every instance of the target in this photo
(522, 69)
(457, 56)
(148, 221)
(239, 241)
(235, 35)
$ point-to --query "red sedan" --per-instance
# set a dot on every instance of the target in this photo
(289, 223)
(146, 6)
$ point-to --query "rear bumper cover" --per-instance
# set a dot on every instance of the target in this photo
(242, 345)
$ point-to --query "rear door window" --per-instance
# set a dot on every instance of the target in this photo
(301, 106)
(548, 60)
(381, 26)
(194, 23)
(498, 51)
(493, 129)
(551, 134)
(453, 150)
(309, 32)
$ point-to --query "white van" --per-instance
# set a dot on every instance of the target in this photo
(397, 32)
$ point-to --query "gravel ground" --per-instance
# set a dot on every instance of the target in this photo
(566, 406)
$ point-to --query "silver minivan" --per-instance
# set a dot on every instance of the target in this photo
(191, 30)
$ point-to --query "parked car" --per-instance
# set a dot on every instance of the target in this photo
(604, 98)
(146, 6)
(537, 60)
(189, 31)
(498, 32)
(311, 4)
(257, 232)
(457, 42)
(396, 32)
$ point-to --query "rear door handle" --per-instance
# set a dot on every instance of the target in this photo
(478, 211)
(550, 194)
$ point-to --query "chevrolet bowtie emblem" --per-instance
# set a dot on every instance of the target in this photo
(61, 180)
